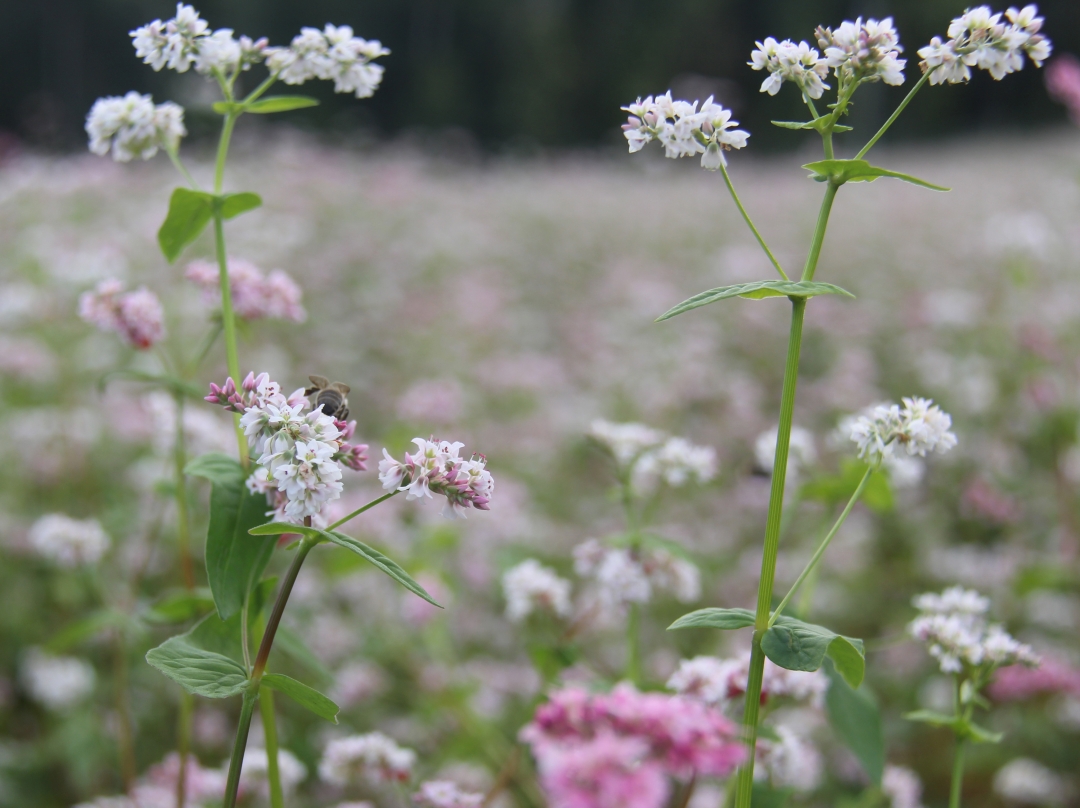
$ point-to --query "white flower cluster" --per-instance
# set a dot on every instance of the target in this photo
(372, 757)
(954, 626)
(722, 681)
(133, 126)
(863, 51)
(623, 576)
(55, 682)
(919, 427)
(254, 773)
(789, 761)
(531, 587)
(438, 467)
(185, 40)
(137, 316)
(69, 542)
(790, 61)
(1025, 781)
(683, 129)
(446, 794)
(980, 38)
(902, 786)
(650, 456)
(331, 54)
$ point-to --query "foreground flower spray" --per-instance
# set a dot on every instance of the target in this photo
(855, 53)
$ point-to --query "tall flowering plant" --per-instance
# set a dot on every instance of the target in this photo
(292, 449)
(855, 53)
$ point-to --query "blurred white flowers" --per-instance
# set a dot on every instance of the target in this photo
(69, 542)
(648, 456)
(254, 774)
(902, 786)
(801, 452)
(331, 54)
(683, 129)
(790, 61)
(133, 126)
(254, 295)
(531, 587)
(55, 682)
(137, 316)
(445, 794)
(979, 38)
(372, 757)
(625, 576)
(1028, 782)
(722, 682)
(919, 427)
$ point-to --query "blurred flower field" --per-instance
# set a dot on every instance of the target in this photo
(511, 305)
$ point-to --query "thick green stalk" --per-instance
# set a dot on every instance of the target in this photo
(824, 545)
(892, 118)
(750, 223)
(772, 546)
(957, 774)
(183, 744)
(236, 762)
(273, 773)
(819, 232)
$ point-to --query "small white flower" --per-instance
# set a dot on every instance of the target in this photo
(791, 761)
(919, 428)
(979, 38)
(530, 587)
(864, 51)
(55, 682)
(790, 61)
(69, 542)
(902, 786)
(372, 757)
(1028, 782)
(683, 129)
(171, 44)
(254, 772)
(131, 126)
(331, 54)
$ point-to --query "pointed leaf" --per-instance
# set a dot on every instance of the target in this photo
(756, 291)
(800, 646)
(841, 171)
(982, 735)
(723, 619)
(307, 697)
(234, 560)
(226, 107)
(189, 213)
(857, 720)
(280, 103)
(234, 204)
(201, 660)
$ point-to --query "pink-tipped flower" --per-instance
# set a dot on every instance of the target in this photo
(255, 296)
(436, 467)
(136, 316)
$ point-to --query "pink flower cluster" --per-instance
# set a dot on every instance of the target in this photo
(1019, 683)
(254, 295)
(136, 316)
(596, 750)
(1063, 83)
(437, 467)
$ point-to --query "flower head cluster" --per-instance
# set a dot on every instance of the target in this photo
(650, 456)
(55, 682)
(254, 295)
(919, 427)
(331, 54)
(621, 748)
(446, 794)
(157, 787)
(69, 542)
(137, 316)
(437, 467)
(863, 51)
(902, 786)
(789, 761)
(372, 757)
(626, 576)
(531, 587)
(299, 451)
(186, 40)
(790, 61)
(954, 626)
(133, 126)
(981, 38)
(683, 129)
(723, 681)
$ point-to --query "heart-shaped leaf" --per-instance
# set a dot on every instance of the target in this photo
(723, 619)
(201, 660)
(307, 697)
(280, 103)
(841, 171)
(235, 204)
(756, 291)
(800, 646)
(189, 213)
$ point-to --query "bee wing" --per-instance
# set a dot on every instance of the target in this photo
(320, 382)
(341, 387)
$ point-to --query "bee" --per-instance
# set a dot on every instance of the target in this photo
(330, 396)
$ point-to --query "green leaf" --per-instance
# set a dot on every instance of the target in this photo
(382, 562)
(307, 697)
(234, 560)
(800, 646)
(855, 716)
(723, 619)
(982, 735)
(233, 205)
(962, 728)
(179, 607)
(756, 291)
(227, 107)
(201, 660)
(189, 213)
(818, 125)
(841, 171)
(89, 626)
(765, 796)
(280, 103)
(932, 717)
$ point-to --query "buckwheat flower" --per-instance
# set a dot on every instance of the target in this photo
(254, 295)
(55, 682)
(171, 44)
(669, 572)
(790, 761)
(721, 682)
(802, 454)
(132, 126)
(1028, 782)
(625, 441)
(684, 130)
(790, 61)
(953, 599)
(704, 677)
(619, 577)
(221, 53)
(331, 54)
(254, 773)
(446, 794)
(311, 478)
(919, 428)
(864, 51)
(69, 542)
(437, 468)
(137, 316)
(679, 461)
(979, 38)
(531, 587)
(902, 787)
(374, 758)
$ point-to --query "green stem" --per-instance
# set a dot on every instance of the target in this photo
(174, 156)
(204, 348)
(183, 744)
(228, 318)
(633, 644)
(125, 729)
(750, 224)
(957, 773)
(273, 773)
(359, 511)
(183, 529)
(279, 607)
(262, 88)
(223, 151)
(896, 114)
(826, 142)
(236, 762)
(824, 545)
(819, 233)
(772, 546)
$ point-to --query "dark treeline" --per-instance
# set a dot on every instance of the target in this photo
(516, 73)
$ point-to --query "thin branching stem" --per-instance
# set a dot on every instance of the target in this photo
(750, 223)
(892, 118)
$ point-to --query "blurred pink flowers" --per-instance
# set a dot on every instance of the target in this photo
(1063, 83)
(254, 295)
(136, 316)
(1019, 683)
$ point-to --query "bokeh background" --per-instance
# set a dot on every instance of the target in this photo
(480, 259)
